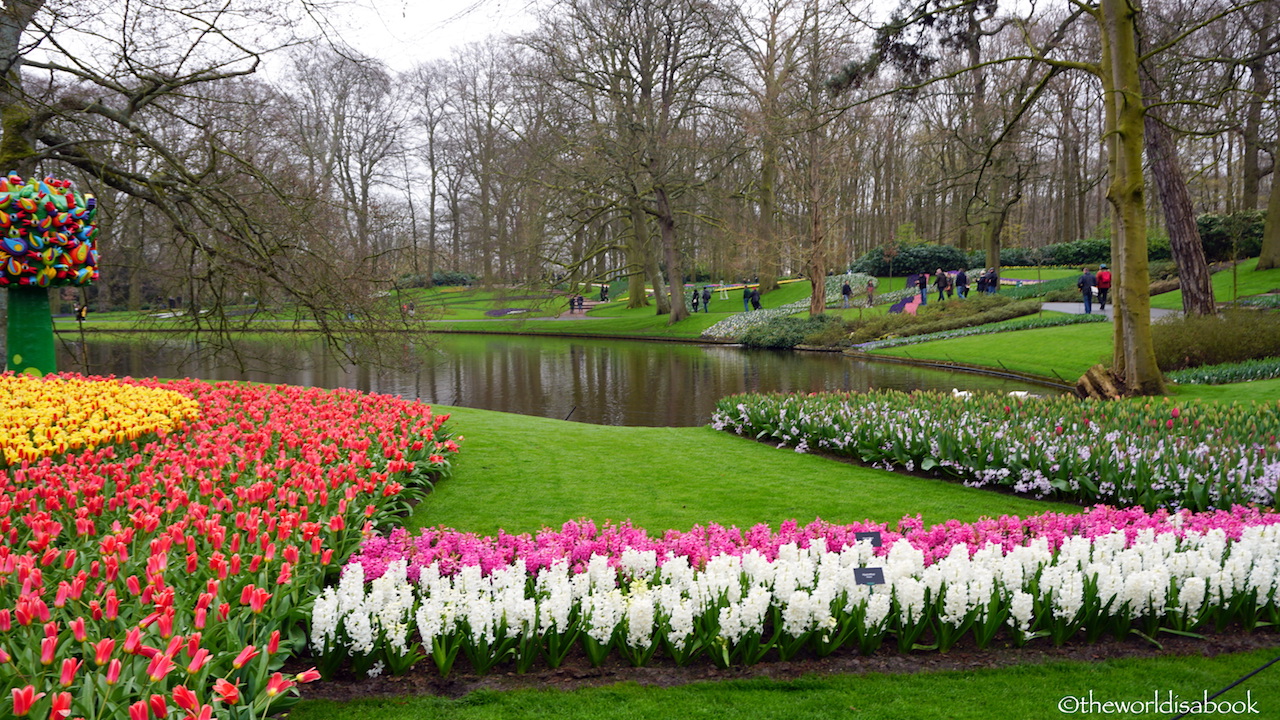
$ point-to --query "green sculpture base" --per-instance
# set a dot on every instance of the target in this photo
(30, 337)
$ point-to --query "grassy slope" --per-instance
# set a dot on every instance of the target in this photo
(1064, 352)
(1028, 691)
(1227, 287)
(521, 473)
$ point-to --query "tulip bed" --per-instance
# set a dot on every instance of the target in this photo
(738, 597)
(169, 569)
(1160, 453)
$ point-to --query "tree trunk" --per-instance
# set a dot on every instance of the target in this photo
(1270, 256)
(817, 269)
(770, 255)
(637, 256)
(1179, 217)
(1123, 90)
(667, 225)
(1251, 171)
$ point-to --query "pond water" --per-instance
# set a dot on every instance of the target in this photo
(608, 382)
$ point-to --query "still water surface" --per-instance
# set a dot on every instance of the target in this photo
(608, 382)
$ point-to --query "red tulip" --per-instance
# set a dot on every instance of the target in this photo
(102, 650)
(226, 691)
(70, 667)
(138, 711)
(61, 706)
(278, 684)
(160, 666)
(248, 653)
(24, 698)
(184, 698)
(159, 707)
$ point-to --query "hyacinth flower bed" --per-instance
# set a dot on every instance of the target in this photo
(1154, 454)
(1246, 371)
(734, 597)
(162, 551)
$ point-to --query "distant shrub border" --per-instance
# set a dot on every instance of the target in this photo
(1155, 454)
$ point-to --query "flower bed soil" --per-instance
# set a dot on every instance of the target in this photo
(576, 672)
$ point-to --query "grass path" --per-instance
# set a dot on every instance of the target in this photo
(519, 474)
(1035, 692)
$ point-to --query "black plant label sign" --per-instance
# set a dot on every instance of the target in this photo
(873, 536)
(868, 576)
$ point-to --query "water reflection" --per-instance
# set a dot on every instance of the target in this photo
(606, 382)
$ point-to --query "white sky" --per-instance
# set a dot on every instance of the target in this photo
(403, 33)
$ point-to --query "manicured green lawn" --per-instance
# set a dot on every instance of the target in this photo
(1063, 353)
(1228, 286)
(1258, 390)
(1031, 273)
(1023, 691)
(519, 474)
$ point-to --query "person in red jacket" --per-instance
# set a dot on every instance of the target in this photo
(1104, 285)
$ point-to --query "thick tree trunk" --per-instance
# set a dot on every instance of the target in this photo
(1252, 132)
(770, 260)
(637, 260)
(1270, 256)
(1123, 89)
(671, 252)
(1184, 236)
(817, 269)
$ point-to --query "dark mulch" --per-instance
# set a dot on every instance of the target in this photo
(577, 672)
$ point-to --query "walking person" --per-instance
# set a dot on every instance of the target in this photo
(746, 298)
(962, 284)
(694, 300)
(1088, 285)
(1104, 286)
(846, 294)
(871, 292)
(706, 298)
(941, 282)
(922, 284)
(755, 298)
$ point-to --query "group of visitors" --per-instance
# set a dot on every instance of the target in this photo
(989, 281)
(705, 296)
(949, 286)
(577, 303)
(1091, 285)
(846, 294)
(750, 298)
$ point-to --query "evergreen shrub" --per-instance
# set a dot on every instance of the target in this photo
(1232, 337)
(787, 332)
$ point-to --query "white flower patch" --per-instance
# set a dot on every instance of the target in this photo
(1168, 578)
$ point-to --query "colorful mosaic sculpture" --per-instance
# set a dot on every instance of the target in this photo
(46, 240)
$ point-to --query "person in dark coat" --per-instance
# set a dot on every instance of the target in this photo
(1088, 286)
(694, 300)
(755, 299)
(941, 282)
(846, 294)
(746, 298)
(962, 284)
(922, 283)
(706, 298)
